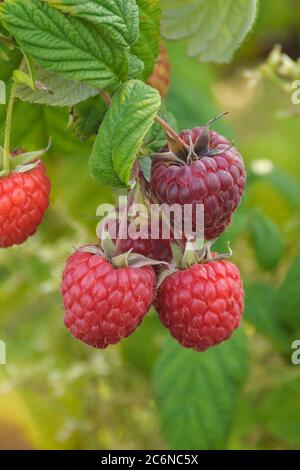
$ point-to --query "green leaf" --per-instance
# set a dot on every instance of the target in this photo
(288, 302)
(120, 137)
(266, 240)
(156, 137)
(197, 392)
(117, 18)
(214, 29)
(70, 46)
(88, 116)
(136, 66)
(54, 90)
(281, 411)
(147, 47)
(261, 311)
(146, 165)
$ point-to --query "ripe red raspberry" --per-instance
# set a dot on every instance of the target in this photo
(160, 78)
(215, 178)
(104, 304)
(24, 198)
(202, 305)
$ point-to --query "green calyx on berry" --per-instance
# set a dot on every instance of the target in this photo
(109, 250)
(21, 162)
(195, 252)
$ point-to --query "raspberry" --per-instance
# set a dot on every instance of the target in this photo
(160, 78)
(104, 304)
(202, 305)
(215, 178)
(155, 249)
(24, 198)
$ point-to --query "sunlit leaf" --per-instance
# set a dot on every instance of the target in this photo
(121, 134)
(65, 44)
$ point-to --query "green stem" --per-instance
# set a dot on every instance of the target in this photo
(7, 131)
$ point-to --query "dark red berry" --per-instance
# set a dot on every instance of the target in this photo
(216, 179)
(202, 305)
(144, 244)
(159, 250)
(104, 304)
(24, 198)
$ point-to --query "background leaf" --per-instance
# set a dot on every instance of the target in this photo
(261, 311)
(73, 48)
(121, 135)
(197, 392)
(281, 409)
(266, 240)
(214, 29)
(285, 185)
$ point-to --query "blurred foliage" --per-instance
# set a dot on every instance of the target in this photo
(57, 393)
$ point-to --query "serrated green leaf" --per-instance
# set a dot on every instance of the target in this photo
(147, 47)
(67, 45)
(281, 410)
(54, 90)
(288, 302)
(197, 392)
(117, 18)
(266, 240)
(120, 137)
(261, 311)
(214, 29)
(88, 116)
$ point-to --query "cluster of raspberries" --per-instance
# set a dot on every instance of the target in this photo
(201, 304)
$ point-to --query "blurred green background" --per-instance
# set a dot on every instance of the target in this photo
(148, 393)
